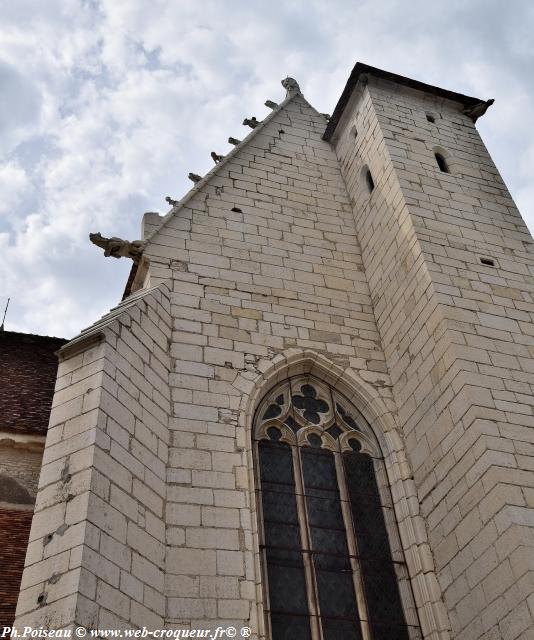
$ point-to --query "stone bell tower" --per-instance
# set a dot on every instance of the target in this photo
(449, 262)
(355, 291)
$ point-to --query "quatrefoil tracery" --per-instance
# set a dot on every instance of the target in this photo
(302, 410)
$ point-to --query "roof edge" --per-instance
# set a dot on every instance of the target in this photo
(79, 344)
(95, 333)
(361, 69)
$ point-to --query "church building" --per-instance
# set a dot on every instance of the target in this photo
(311, 416)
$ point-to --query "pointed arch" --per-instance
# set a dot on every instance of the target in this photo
(377, 407)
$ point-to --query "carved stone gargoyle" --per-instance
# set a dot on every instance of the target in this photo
(290, 85)
(119, 248)
(478, 110)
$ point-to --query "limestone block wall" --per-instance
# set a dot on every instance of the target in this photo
(20, 462)
(97, 543)
(457, 337)
(146, 513)
(264, 260)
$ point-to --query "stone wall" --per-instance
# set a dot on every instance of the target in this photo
(458, 341)
(263, 257)
(97, 543)
(20, 466)
(281, 262)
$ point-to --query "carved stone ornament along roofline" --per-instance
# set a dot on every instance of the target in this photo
(119, 248)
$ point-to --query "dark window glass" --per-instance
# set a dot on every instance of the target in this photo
(333, 571)
(336, 628)
(327, 552)
(379, 576)
(334, 431)
(287, 585)
(290, 627)
(281, 534)
(292, 424)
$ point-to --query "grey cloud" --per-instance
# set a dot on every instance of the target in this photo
(115, 103)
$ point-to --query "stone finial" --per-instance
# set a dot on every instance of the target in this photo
(326, 116)
(251, 122)
(270, 104)
(194, 177)
(291, 85)
(117, 247)
(234, 141)
(478, 110)
(172, 202)
(216, 157)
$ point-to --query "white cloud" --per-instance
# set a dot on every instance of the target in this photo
(108, 105)
(13, 183)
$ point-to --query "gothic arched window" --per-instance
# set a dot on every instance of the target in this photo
(333, 566)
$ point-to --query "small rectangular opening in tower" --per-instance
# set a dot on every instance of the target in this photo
(489, 262)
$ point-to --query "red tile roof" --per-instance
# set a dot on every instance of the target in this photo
(14, 534)
(28, 369)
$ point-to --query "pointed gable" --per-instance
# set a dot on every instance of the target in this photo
(283, 167)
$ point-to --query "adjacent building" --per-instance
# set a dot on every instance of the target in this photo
(28, 368)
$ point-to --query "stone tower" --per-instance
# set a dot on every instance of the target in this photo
(342, 311)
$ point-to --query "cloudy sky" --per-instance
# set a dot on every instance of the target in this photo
(107, 105)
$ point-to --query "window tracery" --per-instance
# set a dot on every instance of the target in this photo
(333, 566)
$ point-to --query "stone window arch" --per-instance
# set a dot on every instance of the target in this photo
(331, 557)
(445, 162)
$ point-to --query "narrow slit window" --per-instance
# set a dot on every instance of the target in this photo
(430, 118)
(369, 181)
(442, 163)
(489, 262)
(332, 562)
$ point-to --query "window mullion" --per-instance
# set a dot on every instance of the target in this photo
(305, 536)
(353, 548)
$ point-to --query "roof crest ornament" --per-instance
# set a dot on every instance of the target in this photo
(291, 85)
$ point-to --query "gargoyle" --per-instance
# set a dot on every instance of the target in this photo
(251, 122)
(478, 110)
(117, 247)
(291, 85)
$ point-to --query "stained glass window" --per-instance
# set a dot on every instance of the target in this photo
(332, 562)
